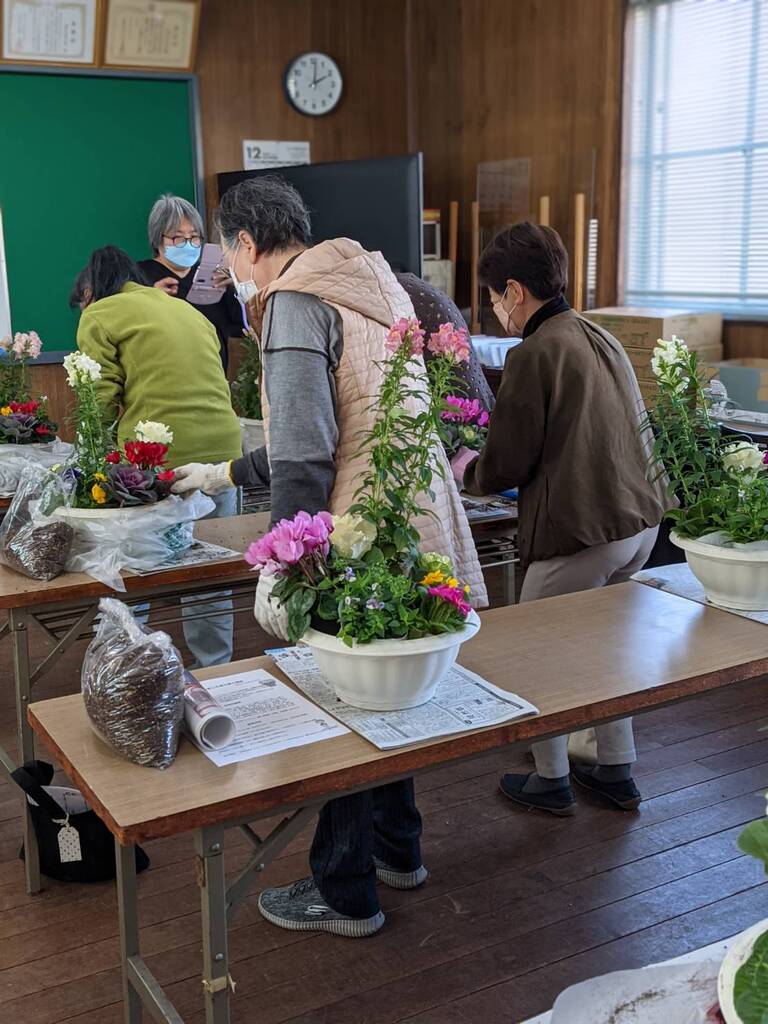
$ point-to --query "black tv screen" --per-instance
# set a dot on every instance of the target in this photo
(378, 203)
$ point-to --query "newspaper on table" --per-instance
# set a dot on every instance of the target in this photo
(268, 716)
(463, 702)
(206, 722)
(199, 553)
(678, 579)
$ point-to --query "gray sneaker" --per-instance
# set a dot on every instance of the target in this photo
(400, 879)
(301, 907)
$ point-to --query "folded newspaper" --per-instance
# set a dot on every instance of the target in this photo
(463, 702)
(206, 722)
(199, 553)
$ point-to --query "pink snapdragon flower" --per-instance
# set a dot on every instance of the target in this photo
(405, 331)
(289, 541)
(453, 595)
(27, 345)
(450, 341)
(465, 410)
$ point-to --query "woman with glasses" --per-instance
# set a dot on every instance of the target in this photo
(176, 236)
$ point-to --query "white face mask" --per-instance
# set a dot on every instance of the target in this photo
(246, 290)
(504, 317)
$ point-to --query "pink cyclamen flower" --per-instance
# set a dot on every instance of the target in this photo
(405, 331)
(765, 459)
(450, 341)
(464, 410)
(453, 595)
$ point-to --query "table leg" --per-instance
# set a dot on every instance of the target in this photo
(211, 877)
(128, 915)
(509, 583)
(19, 623)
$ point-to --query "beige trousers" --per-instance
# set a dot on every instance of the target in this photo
(601, 566)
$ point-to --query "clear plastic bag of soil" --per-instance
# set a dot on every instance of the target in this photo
(31, 541)
(133, 687)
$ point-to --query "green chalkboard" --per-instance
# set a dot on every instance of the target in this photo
(83, 158)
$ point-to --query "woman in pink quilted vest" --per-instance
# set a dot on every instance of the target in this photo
(322, 313)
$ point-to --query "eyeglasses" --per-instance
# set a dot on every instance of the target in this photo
(194, 240)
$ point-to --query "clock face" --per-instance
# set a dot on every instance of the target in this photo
(313, 83)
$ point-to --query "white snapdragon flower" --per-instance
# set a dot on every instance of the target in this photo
(153, 432)
(352, 535)
(669, 357)
(81, 368)
(743, 457)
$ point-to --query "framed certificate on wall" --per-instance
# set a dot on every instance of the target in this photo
(50, 31)
(151, 34)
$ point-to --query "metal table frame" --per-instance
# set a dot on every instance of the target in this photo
(65, 622)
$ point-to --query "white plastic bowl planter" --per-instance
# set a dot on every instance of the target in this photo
(733, 577)
(388, 675)
(738, 954)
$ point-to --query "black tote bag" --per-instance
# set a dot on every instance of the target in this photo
(93, 843)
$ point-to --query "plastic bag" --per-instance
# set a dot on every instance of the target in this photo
(108, 540)
(32, 541)
(133, 687)
(15, 459)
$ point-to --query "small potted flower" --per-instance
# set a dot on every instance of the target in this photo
(246, 393)
(384, 620)
(721, 485)
(23, 421)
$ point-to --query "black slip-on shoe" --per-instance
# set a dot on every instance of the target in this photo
(625, 794)
(301, 907)
(557, 801)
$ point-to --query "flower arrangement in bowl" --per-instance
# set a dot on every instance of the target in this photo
(105, 477)
(384, 620)
(721, 485)
(465, 424)
(22, 420)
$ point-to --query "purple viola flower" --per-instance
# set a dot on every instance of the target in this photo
(349, 574)
(132, 486)
(374, 605)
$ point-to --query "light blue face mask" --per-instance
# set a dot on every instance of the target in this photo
(185, 255)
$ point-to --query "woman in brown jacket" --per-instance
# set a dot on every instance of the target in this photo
(567, 431)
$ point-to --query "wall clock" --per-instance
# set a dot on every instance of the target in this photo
(313, 84)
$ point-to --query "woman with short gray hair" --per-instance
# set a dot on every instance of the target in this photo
(176, 234)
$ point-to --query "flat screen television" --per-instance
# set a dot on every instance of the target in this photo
(376, 202)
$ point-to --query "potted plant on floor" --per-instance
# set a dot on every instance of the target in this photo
(246, 393)
(722, 485)
(384, 621)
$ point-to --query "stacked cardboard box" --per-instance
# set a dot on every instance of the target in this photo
(638, 330)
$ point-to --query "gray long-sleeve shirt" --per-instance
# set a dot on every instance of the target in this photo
(302, 346)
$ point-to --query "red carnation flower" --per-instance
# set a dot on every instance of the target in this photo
(113, 458)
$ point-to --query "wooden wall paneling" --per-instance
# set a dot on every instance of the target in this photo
(245, 46)
(51, 380)
(745, 340)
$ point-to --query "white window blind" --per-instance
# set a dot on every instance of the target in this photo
(695, 223)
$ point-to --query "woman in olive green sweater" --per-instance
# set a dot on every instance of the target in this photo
(160, 361)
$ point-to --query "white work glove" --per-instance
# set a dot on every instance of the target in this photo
(270, 615)
(210, 478)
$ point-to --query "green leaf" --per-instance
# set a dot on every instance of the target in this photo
(750, 986)
(754, 840)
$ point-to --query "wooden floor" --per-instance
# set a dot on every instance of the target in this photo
(518, 906)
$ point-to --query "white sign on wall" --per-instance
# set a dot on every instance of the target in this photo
(259, 154)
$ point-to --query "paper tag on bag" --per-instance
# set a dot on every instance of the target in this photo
(69, 845)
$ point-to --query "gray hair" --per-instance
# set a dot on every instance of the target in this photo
(269, 209)
(166, 215)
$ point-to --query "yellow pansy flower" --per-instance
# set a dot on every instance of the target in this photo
(99, 476)
(6, 410)
(467, 588)
(452, 582)
(432, 579)
(98, 494)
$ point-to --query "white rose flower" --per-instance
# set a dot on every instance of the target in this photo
(743, 457)
(153, 432)
(80, 368)
(352, 535)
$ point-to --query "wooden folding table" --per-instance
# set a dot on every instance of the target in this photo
(582, 659)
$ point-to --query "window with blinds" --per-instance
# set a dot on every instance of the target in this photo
(695, 218)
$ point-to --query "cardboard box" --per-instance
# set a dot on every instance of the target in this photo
(641, 359)
(746, 381)
(640, 328)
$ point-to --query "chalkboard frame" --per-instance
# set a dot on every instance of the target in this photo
(195, 127)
